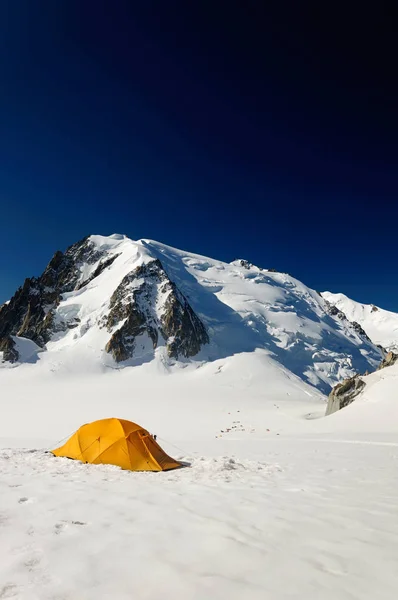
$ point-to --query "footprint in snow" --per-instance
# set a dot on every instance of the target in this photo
(60, 527)
(32, 562)
(3, 519)
(9, 590)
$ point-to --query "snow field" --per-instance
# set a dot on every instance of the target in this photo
(316, 520)
(303, 506)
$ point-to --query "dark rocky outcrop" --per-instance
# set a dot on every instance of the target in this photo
(31, 311)
(359, 329)
(243, 263)
(7, 347)
(390, 359)
(28, 313)
(183, 330)
(149, 303)
(335, 312)
(344, 393)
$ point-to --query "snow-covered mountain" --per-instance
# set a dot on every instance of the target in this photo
(218, 360)
(111, 302)
(380, 325)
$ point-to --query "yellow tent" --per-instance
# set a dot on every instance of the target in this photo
(117, 442)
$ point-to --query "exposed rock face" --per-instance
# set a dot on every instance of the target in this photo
(334, 311)
(344, 393)
(7, 346)
(390, 359)
(30, 312)
(151, 305)
(359, 329)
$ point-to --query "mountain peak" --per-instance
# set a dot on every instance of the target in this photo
(113, 301)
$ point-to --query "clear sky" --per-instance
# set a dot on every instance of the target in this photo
(225, 128)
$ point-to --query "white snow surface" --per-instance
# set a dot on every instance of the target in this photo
(278, 502)
(243, 310)
(379, 324)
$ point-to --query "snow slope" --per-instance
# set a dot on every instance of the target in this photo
(380, 325)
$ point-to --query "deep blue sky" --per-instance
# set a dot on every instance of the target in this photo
(223, 128)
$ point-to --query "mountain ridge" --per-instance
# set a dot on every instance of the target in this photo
(173, 306)
(380, 325)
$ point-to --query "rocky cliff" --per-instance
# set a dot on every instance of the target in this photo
(390, 359)
(8, 349)
(31, 311)
(344, 393)
(148, 303)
